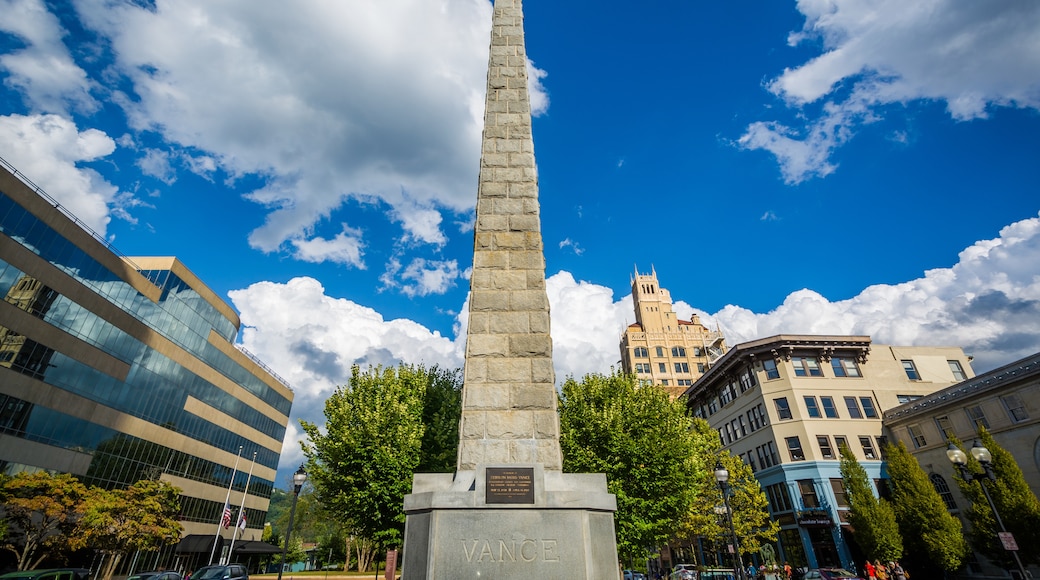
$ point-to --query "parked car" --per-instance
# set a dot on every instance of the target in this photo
(830, 574)
(229, 572)
(683, 572)
(156, 575)
(49, 574)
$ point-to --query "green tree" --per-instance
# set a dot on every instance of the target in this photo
(932, 537)
(1015, 502)
(873, 518)
(442, 411)
(644, 444)
(747, 501)
(361, 465)
(41, 511)
(140, 517)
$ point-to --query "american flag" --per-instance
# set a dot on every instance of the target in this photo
(225, 520)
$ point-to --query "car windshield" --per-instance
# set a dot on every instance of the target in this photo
(211, 573)
(841, 573)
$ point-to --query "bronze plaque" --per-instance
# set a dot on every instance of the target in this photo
(509, 485)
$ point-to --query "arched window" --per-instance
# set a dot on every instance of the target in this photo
(940, 485)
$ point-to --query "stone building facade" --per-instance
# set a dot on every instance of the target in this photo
(1005, 401)
(659, 348)
(786, 404)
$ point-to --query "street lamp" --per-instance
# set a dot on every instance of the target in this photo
(722, 477)
(298, 480)
(985, 459)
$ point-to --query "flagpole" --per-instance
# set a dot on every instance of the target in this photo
(241, 510)
(226, 505)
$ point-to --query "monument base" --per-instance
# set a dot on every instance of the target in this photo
(507, 522)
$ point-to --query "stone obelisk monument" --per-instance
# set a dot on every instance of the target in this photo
(509, 512)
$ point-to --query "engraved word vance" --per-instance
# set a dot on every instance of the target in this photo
(526, 550)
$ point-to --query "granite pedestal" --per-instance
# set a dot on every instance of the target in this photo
(510, 522)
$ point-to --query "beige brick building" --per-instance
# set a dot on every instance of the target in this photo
(787, 403)
(659, 348)
(1006, 401)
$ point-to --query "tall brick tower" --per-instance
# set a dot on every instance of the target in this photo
(509, 512)
(509, 398)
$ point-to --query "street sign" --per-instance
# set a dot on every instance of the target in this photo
(1008, 540)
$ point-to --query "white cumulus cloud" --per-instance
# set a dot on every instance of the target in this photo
(972, 56)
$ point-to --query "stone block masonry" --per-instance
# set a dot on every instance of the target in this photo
(509, 397)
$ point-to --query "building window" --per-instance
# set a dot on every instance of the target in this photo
(845, 367)
(779, 498)
(682, 368)
(826, 451)
(783, 410)
(773, 455)
(794, 447)
(869, 411)
(840, 442)
(838, 487)
(743, 427)
(727, 394)
(713, 407)
(806, 367)
(868, 447)
(664, 382)
(642, 367)
(828, 407)
(945, 427)
(916, 436)
(977, 417)
(640, 352)
(808, 489)
(700, 368)
(940, 485)
(770, 367)
(812, 407)
(660, 351)
(747, 380)
(697, 352)
(645, 382)
(684, 382)
(1015, 407)
(911, 370)
(957, 370)
(762, 458)
(678, 352)
(907, 398)
(853, 407)
(662, 367)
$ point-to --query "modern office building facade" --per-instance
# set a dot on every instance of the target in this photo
(1004, 401)
(118, 369)
(659, 348)
(786, 405)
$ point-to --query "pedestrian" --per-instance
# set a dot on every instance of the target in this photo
(897, 571)
(871, 573)
(787, 571)
(880, 571)
(751, 572)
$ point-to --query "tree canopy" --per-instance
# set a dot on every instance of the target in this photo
(873, 518)
(381, 428)
(659, 463)
(932, 537)
(1015, 502)
(140, 517)
(41, 511)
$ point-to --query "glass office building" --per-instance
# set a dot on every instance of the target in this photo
(117, 369)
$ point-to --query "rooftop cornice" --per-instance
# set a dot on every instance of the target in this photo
(1017, 372)
(780, 347)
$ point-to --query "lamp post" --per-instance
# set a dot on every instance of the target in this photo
(298, 480)
(985, 459)
(722, 477)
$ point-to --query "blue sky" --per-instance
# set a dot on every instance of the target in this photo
(821, 166)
